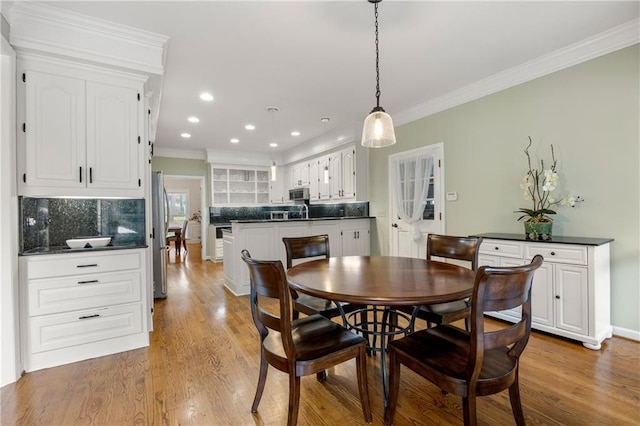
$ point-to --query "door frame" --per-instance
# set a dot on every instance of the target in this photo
(439, 194)
(204, 221)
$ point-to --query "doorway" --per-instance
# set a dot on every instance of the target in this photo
(432, 217)
(188, 195)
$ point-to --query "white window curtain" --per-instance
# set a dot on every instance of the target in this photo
(411, 189)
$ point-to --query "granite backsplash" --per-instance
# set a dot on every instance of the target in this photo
(226, 214)
(49, 222)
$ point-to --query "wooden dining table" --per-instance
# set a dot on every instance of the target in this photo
(382, 281)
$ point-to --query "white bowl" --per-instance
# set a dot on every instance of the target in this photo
(92, 241)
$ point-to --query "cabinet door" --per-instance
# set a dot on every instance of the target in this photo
(335, 175)
(305, 174)
(112, 137)
(348, 173)
(55, 131)
(324, 178)
(314, 180)
(542, 297)
(356, 242)
(571, 296)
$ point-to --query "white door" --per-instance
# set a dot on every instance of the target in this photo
(433, 215)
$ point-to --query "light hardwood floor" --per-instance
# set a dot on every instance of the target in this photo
(202, 367)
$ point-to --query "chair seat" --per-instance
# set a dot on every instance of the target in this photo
(444, 351)
(310, 305)
(441, 313)
(314, 337)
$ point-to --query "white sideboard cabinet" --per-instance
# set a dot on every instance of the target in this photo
(570, 295)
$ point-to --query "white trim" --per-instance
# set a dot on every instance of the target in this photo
(179, 153)
(37, 26)
(10, 364)
(617, 38)
(627, 333)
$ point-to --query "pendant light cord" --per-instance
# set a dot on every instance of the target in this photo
(375, 8)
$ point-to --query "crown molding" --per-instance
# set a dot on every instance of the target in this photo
(617, 38)
(179, 153)
(43, 28)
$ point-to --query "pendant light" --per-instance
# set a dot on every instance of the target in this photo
(378, 126)
(274, 169)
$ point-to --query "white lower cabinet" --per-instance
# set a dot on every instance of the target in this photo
(570, 294)
(355, 238)
(264, 241)
(82, 305)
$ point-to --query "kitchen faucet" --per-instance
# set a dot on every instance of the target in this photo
(304, 211)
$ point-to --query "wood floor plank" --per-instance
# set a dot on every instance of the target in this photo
(202, 365)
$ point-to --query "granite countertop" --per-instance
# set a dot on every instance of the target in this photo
(299, 219)
(585, 241)
(66, 249)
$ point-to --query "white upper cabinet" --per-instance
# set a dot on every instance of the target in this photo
(55, 144)
(112, 136)
(239, 186)
(81, 136)
(342, 174)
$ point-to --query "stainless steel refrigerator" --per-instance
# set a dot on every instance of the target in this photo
(159, 208)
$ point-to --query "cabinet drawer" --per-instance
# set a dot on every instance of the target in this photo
(501, 248)
(557, 253)
(82, 263)
(51, 332)
(83, 292)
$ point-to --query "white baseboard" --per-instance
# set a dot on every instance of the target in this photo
(626, 333)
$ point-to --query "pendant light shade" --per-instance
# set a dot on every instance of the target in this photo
(273, 171)
(378, 129)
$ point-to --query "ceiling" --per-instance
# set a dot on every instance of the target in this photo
(314, 59)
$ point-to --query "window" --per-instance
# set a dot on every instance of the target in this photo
(178, 206)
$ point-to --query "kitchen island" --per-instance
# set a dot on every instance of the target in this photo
(263, 238)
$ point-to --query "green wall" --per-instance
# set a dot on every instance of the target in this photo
(590, 113)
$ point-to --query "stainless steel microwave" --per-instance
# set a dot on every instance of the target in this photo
(299, 194)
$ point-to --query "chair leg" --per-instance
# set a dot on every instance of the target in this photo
(516, 403)
(294, 399)
(469, 410)
(394, 387)
(363, 387)
(262, 379)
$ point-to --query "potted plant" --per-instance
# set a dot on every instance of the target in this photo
(538, 185)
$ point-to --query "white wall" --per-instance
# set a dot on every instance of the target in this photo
(9, 329)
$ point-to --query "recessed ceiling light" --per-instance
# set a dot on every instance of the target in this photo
(206, 96)
(234, 140)
(250, 127)
(273, 144)
(193, 120)
(325, 119)
(185, 135)
(295, 133)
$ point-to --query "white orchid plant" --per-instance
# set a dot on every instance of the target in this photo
(537, 185)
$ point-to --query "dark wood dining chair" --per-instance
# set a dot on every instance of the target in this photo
(298, 347)
(476, 362)
(173, 237)
(305, 248)
(449, 247)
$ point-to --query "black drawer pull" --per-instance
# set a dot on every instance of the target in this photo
(557, 297)
(88, 282)
(88, 265)
(89, 316)
(553, 253)
(497, 248)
